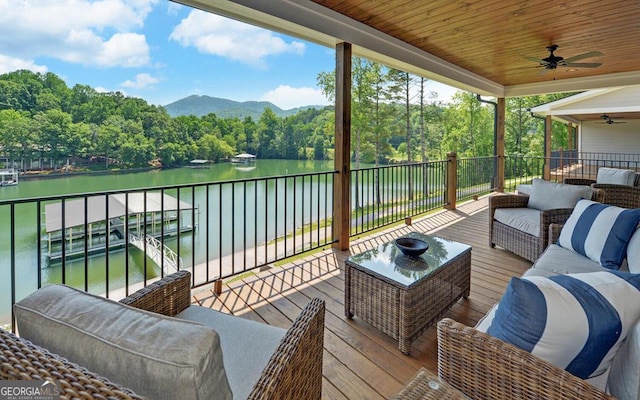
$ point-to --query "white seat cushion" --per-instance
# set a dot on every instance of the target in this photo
(247, 345)
(616, 176)
(523, 219)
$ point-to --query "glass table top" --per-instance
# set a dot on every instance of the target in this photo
(388, 261)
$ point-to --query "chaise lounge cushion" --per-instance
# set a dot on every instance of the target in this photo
(550, 195)
(616, 176)
(156, 356)
(247, 345)
(600, 232)
(574, 321)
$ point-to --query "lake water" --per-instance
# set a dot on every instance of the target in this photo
(132, 268)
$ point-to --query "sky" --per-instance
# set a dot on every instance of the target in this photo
(162, 52)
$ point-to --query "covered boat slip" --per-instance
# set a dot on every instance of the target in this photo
(243, 158)
(8, 177)
(102, 222)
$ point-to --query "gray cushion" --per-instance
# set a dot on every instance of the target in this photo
(156, 356)
(633, 252)
(524, 189)
(624, 374)
(559, 260)
(616, 176)
(247, 345)
(523, 219)
(550, 195)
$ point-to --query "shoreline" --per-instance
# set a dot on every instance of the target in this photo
(45, 175)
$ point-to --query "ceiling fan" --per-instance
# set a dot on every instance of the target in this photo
(553, 61)
(606, 119)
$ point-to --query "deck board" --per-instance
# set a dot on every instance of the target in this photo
(361, 362)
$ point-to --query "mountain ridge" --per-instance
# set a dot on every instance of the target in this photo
(200, 105)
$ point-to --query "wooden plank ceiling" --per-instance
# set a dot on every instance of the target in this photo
(491, 38)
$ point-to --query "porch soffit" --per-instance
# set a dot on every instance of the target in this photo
(622, 102)
(475, 46)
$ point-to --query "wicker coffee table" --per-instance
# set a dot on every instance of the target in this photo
(402, 296)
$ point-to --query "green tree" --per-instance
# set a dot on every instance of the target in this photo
(399, 89)
(269, 128)
(211, 147)
(109, 136)
(136, 150)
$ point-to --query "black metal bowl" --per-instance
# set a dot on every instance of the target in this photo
(411, 247)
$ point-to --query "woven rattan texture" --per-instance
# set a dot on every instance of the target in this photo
(405, 313)
(523, 244)
(620, 195)
(293, 372)
(486, 368)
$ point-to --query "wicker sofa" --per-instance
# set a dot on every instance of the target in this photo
(293, 371)
(511, 237)
(484, 367)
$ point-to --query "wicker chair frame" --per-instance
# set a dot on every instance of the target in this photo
(616, 195)
(293, 372)
(486, 368)
(620, 195)
(295, 369)
(521, 243)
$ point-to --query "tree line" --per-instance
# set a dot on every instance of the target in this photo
(393, 119)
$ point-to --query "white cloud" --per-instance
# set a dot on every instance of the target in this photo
(97, 33)
(212, 34)
(142, 81)
(8, 64)
(287, 97)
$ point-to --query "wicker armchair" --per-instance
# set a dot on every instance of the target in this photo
(486, 368)
(620, 195)
(295, 369)
(616, 195)
(293, 372)
(521, 243)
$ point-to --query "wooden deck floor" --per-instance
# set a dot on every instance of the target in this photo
(359, 361)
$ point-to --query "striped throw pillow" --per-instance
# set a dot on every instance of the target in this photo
(574, 321)
(600, 232)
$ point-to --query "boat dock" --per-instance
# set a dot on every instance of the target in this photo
(112, 222)
(8, 177)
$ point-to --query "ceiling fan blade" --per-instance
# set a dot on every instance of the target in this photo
(583, 56)
(535, 59)
(582, 65)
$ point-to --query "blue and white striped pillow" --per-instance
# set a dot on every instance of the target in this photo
(574, 321)
(600, 232)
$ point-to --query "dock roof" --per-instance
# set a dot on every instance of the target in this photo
(118, 205)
